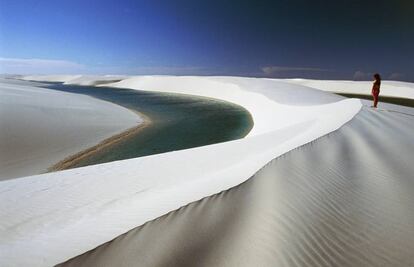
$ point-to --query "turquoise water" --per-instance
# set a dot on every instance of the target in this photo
(178, 122)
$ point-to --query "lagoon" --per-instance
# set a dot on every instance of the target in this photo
(178, 122)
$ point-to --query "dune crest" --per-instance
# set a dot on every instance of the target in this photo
(110, 199)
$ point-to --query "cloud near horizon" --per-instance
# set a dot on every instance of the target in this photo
(396, 76)
(39, 66)
(362, 76)
(289, 71)
(25, 66)
(155, 70)
(33, 66)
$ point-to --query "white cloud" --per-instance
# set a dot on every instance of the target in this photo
(280, 70)
(363, 76)
(151, 70)
(52, 66)
(39, 66)
(396, 76)
(170, 70)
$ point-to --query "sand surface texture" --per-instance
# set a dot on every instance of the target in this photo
(53, 217)
(39, 127)
(345, 199)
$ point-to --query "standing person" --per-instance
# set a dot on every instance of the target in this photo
(376, 88)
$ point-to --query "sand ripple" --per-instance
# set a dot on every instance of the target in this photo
(346, 199)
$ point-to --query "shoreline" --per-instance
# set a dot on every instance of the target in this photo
(70, 161)
(264, 205)
(40, 127)
(157, 139)
(407, 102)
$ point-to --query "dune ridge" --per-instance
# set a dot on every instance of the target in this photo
(344, 199)
(110, 199)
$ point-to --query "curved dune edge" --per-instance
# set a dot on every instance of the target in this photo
(388, 88)
(72, 160)
(53, 217)
(40, 126)
(343, 200)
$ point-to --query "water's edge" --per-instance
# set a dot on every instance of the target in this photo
(341, 200)
(386, 99)
(72, 160)
(172, 122)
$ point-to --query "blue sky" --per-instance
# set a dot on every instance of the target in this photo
(286, 38)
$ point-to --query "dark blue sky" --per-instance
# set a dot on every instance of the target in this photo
(286, 38)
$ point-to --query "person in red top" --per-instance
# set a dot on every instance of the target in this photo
(376, 89)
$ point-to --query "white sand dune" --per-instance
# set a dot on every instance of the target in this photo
(39, 127)
(76, 79)
(52, 78)
(343, 200)
(94, 204)
(388, 88)
(98, 203)
(272, 104)
(95, 79)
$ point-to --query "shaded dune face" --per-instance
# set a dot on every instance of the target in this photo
(345, 199)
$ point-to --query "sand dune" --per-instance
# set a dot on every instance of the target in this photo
(343, 200)
(77, 79)
(40, 127)
(113, 198)
(388, 88)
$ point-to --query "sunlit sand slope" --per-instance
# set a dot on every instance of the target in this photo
(53, 217)
(345, 199)
(39, 127)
